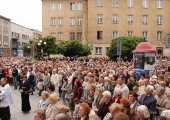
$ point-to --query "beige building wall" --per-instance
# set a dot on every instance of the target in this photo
(90, 25)
(5, 36)
(37, 35)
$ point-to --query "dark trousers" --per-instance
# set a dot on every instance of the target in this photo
(5, 113)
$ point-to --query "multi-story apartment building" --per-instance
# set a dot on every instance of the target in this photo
(20, 36)
(97, 22)
(5, 37)
(37, 35)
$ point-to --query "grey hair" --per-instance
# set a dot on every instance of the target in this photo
(142, 109)
(62, 116)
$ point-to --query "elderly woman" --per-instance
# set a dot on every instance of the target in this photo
(91, 93)
(142, 113)
(108, 85)
(104, 107)
(84, 111)
(141, 88)
(43, 103)
(52, 108)
(125, 105)
(114, 108)
(99, 99)
(117, 97)
(39, 115)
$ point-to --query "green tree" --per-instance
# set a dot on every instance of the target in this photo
(128, 45)
(26, 50)
(50, 46)
(73, 49)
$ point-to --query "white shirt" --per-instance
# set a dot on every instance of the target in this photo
(5, 96)
(124, 89)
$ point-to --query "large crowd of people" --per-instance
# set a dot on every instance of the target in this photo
(89, 88)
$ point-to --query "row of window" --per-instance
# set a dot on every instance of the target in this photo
(130, 33)
(60, 35)
(60, 21)
(59, 6)
(130, 3)
(73, 36)
(78, 21)
(130, 19)
(79, 5)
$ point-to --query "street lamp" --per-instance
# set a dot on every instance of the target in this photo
(41, 44)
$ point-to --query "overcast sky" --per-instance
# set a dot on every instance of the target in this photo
(24, 12)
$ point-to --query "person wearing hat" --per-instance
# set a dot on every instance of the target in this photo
(5, 100)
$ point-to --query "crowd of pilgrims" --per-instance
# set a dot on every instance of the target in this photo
(90, 89)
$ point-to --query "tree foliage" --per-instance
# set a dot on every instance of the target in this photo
(73, 49)
(50, 46)
(128, 45)
(26, 49)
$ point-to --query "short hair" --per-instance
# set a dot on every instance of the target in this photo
(126, 102)
(162, 90)
(106, 93)
(62, 116)
(142, 109)
(113, 107)
(41, 114)
(134, 94)
(52, 88)
(121, 116)
(54, 97)
(141, 82)
(45, 93)
(151, 88)
(86, 107)
(93, 86)
(161, 118)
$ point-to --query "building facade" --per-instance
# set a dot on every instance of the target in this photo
(5, 37)
(97, 22)
(19, 37)
(37, 35)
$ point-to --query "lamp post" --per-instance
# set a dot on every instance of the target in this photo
(41, 44)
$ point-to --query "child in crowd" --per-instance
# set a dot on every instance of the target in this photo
(40, 86)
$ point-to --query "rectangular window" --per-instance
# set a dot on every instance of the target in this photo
(79, 6)
(60, 21)
(60, 6)
(130, 19)
(145, 19)
(114, 19)
(115, 3)
(100, 19)
(159, 19)
(98, 50)
(53, 21)
(52, 6)
(145, 3)
(130, 33)
(145, 35)
(60, 36)
(79, 36)
(6, 43)
(79, 21)
(72, 21)
(130, 3)
(99, 35)
(72, 36)
(53, 34)
(72, 6)
(159, 3)
(99, 3)
(115, 35)
(159, 35)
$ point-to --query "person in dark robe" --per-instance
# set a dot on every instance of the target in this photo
(24, 89)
